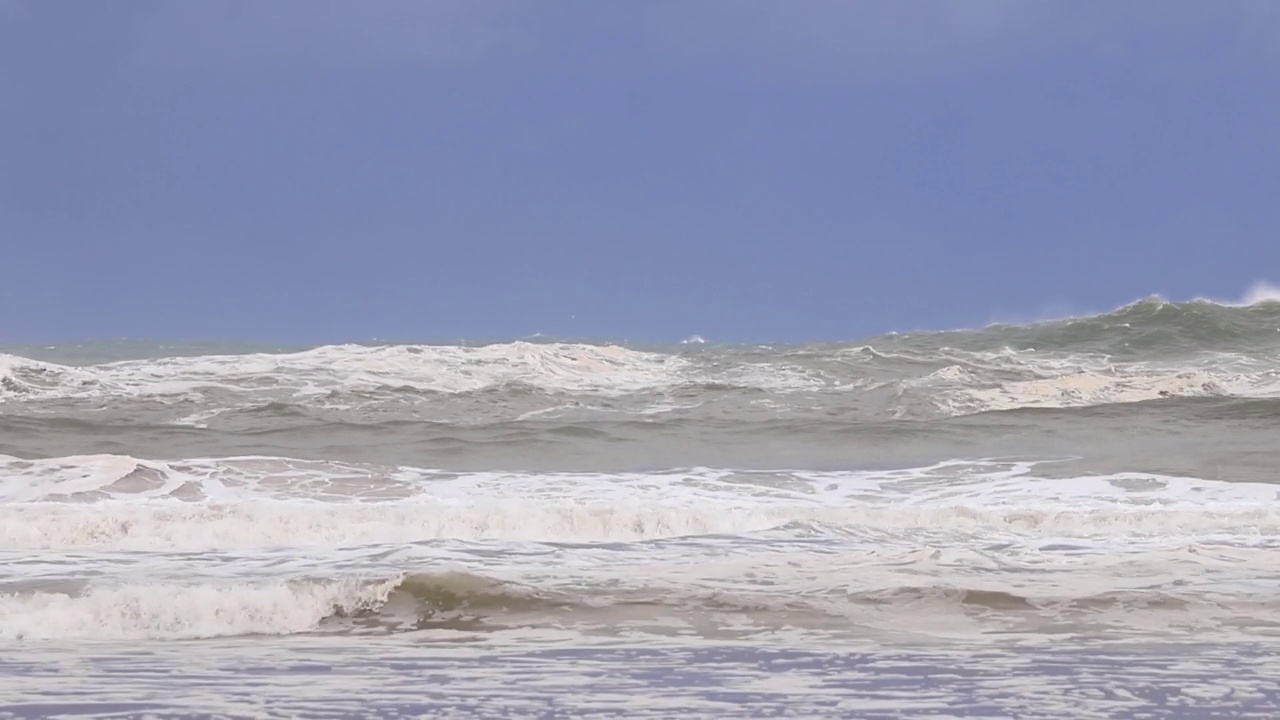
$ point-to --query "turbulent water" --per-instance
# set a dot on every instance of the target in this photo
(1069, 519)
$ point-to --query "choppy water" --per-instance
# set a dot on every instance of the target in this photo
(1070, 519)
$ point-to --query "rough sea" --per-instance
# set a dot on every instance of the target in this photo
(1071, 519)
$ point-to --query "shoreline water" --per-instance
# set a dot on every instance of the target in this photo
(381, 680)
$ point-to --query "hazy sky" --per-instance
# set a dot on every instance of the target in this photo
(746, 170)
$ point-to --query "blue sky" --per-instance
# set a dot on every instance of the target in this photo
(746, 170)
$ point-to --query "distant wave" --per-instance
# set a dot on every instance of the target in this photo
(1260, 293)
(444, 369)
(1142, 353)
(1151, 325)
(317, 374)
(1148, 350)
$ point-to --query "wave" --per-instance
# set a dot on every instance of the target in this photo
(265, 524)
(1147, 350)
(460, 601)
(169, 610)
(1085, 387)
(254, 525)
(123, 503)
(313, 373)
(861, 383)
(345, 375)
(1150, 327)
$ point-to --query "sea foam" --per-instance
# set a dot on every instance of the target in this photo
(122, 503)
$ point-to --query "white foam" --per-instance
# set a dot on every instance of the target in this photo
(114, 502)
(604, 370)
(980, 382)
(264, 524)
(946, 380)
(929, 589)
(446, 369)
(172, 611)
(233, 546)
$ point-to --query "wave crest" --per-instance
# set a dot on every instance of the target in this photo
(462, 601)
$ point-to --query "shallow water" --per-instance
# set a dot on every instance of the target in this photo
(434, 677)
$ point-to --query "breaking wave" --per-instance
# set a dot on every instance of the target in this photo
(123, 503)
(465, 602)
(190, 528)
(902, 382)
(1150, 349)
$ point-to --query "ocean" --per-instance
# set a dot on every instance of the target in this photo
(1069, 519)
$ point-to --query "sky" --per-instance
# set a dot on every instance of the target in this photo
(312, 171)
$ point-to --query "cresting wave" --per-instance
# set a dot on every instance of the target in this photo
(463, 602)
(440, 369)
(174, 610)
(1149, 350)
